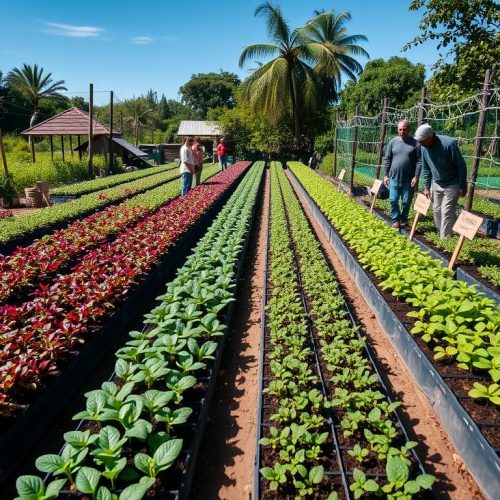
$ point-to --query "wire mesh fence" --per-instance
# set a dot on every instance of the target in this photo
(360, 142)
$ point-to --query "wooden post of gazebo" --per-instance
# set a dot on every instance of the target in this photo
(71, 143)
(51, 147)
(79, 143)
(62, 146)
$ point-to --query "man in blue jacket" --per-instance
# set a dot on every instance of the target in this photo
(445, 176)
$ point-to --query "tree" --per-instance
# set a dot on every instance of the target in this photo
(206, 91)
(136, 113)
(397, 79)
(34, 86)
(287, 85)
(334, 49)
(470, 30)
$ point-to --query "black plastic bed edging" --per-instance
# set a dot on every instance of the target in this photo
(28, 238)
(17, 443)
(190, 467)
(477, 454)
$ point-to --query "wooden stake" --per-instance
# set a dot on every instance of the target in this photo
(4, 157)
(422, 111)
(32, 145)
(354, 146)
(90, 168)
(414, 226)
(382, 137)
(456, 252)
(335, 144)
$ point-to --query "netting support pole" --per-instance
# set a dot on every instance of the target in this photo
(4, 157)
(382, 137)
(422, 111)
(90, 168)
(481, 124)
(335, 144)
(110, 151)
(354, 146)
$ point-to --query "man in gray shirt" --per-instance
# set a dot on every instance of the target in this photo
(445, 176)
(402, 169)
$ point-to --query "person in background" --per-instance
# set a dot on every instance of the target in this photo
(222, 154)
(198, 156)
(402, 164)
(445, 176)
(313, 162)
(187, 165)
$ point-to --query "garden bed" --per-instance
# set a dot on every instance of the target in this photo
(479, 456)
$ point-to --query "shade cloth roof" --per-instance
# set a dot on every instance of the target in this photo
(200, 128)
(73, 121)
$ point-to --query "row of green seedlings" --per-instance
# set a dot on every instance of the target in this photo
(460, 324)
(13, 227)
(298, 443)
(368, 423)
(85, 187)
(138, 425)
(481, 252)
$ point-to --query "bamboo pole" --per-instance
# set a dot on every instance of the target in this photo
(382, 137)
(90, 168)
(335, 144)
(481, 125)
(111, 103)
(354, 146)
(4, 157)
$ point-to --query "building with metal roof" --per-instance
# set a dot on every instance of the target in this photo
(200, 128)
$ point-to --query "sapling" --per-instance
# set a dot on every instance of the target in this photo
(33, 488)
(308, 479)
(67, 464)
(161, 460)
(276, 475)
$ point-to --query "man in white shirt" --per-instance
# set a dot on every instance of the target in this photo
(187, 166)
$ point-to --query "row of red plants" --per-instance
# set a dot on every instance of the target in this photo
(28, 265)
(37, 336)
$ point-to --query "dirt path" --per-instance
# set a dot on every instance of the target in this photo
(226, 461)
(439, 455)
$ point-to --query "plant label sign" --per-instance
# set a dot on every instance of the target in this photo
(377, 184)
(341, 175)
(422, 204)
(467, 224)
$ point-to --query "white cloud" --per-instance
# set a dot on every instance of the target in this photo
(142, 40)
(73, 31)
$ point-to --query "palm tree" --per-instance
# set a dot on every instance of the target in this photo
(287, 84)
(32, 84)
(327, 38)
(137, 109)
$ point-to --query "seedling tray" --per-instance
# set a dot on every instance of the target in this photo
(479, 457)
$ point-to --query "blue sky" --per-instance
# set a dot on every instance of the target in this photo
(130, 46)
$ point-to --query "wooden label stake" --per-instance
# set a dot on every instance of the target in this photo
(377, 184)
(341, 177)
(422, 204)
(466, 226)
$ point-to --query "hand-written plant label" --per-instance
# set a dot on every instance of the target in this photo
(467, 224)
(422, 204)
(341, 175)
(377, 184)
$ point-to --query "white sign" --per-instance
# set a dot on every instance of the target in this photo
(422, 204)
(467, 224)
(341, 175)
(377, 184)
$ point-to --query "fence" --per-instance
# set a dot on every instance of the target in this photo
(359, 142)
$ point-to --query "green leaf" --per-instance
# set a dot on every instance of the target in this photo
(316, 474)
(140, 430)
(103, 494)
(425, 481)
(29, 487)
(54, 488)
(412, 487)
(138, 490)
(49, 463)
(142, 461)
(268, 473)
(167, 452)
(87, 480)
(371, 486)
(397, 470)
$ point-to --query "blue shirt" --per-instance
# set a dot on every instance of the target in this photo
(443, 163)
(402, 160)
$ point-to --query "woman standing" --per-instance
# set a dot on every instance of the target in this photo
(198, 157)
